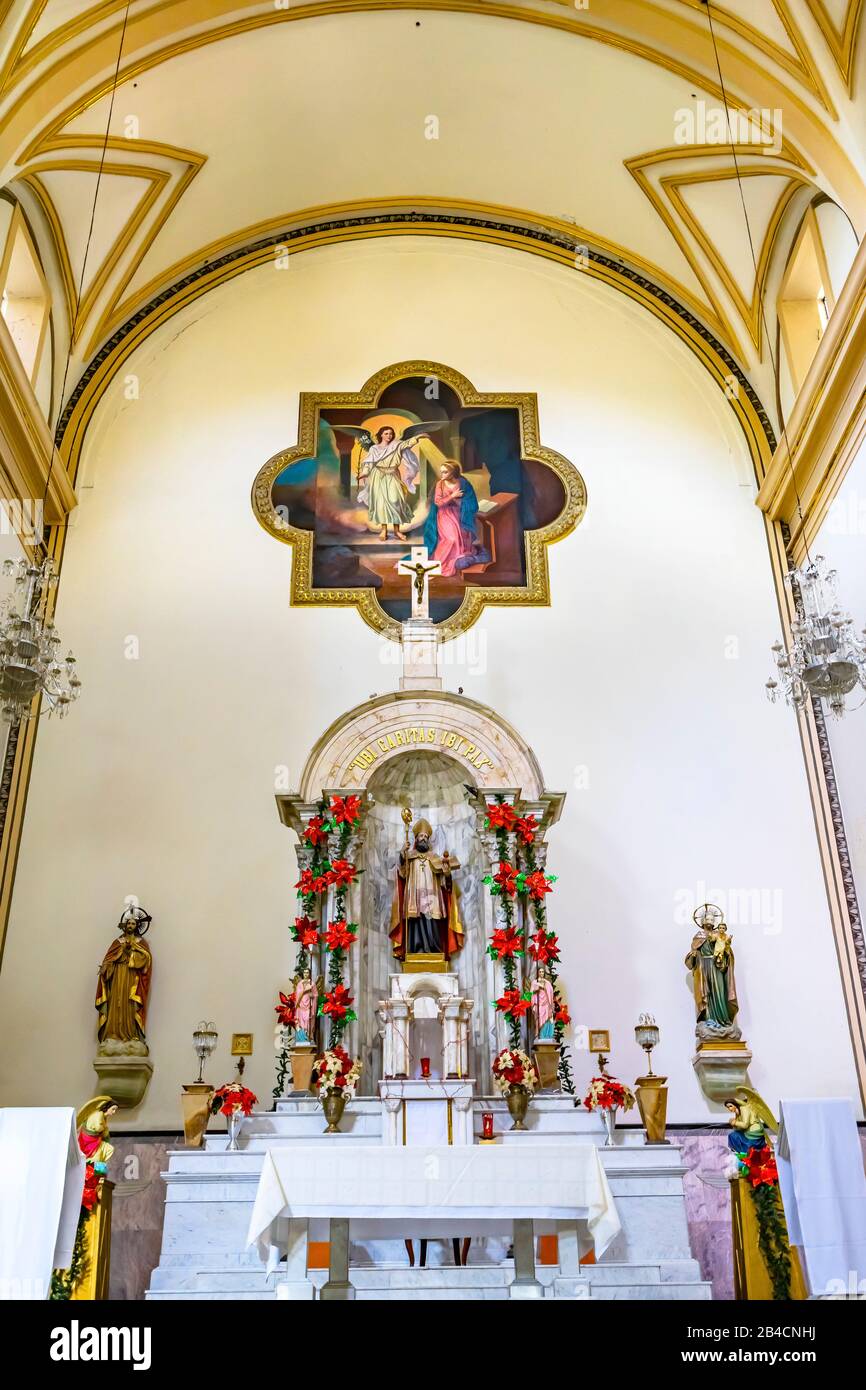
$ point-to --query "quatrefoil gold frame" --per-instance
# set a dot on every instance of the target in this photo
(536, 590)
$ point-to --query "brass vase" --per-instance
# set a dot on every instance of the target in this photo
(652, 1099)
(517, 1101)
(333, 1105)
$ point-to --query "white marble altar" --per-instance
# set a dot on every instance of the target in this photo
(211, 1193)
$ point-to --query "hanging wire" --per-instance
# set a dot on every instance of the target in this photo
(774, 361)
(73, 327)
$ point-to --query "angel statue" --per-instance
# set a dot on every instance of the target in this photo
(389, 472)
(92, 1121)
(751, 1120)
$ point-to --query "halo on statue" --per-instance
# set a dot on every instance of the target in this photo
(133, 913)
(708, 915)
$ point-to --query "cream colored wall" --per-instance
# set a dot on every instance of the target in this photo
(640, 688)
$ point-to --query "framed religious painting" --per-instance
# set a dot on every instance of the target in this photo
(419, 458)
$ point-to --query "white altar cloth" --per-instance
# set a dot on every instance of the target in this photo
(41, 1182)
(456, 1189)
(823, 1188)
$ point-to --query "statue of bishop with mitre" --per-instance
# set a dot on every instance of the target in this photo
(425, 921)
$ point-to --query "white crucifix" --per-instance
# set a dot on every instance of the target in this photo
(422, 569)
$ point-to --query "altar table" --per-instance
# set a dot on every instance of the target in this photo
(439, 1191)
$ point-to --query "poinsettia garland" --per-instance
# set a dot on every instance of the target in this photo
(504, 947)
(330, 828)
(758, 1166)
(63, 1281)
(526, 881)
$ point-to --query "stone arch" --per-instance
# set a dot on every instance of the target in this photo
(365, 738)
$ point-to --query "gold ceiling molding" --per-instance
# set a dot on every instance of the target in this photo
(747, 414)
(751, 311)
(827, 424)
(161, 22)
(158, 24)
(801, 65)
(158, 179)
(286, 221)
(841, 43)
(664, 198)
(536, 588)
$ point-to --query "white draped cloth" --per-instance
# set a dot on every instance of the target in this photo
(41, 1185)
(452, 1188)
(820, 1163)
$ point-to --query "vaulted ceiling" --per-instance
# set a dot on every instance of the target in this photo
(234, 120)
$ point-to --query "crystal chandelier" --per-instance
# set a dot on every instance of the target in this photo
(826, 658)
(29, 642)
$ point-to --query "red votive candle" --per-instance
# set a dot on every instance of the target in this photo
(487, 1124)
(425, 1067)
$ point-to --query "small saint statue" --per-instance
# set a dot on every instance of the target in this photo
(124, 982)
(543, 1005)
(92, 1123)
(306, 997)
(711, 961)
(425, 920)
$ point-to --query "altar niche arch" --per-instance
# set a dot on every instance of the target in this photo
(445, 757)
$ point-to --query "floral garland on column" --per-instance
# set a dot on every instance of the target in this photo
(507, 943)
(335, 821)
(758, 1166)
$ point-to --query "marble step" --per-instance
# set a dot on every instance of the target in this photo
(177, 1280)
(692, 1292)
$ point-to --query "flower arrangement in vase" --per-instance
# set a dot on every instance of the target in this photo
(235, 1101)
(335, 1076)
(515, 1077)
(608, 1095)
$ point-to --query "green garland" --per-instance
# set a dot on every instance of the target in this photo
(337, 958)
(63, 1281)
(773, 1238)
(509, 967)
(303, 959)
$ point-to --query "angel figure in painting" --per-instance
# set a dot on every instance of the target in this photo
(450, 533)
(388, 474)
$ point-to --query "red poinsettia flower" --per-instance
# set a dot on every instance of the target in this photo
(315, 833)
(506, 878)
(337, 1002)
(513, 1074)
(339, 936)
(562, 1015)
(526, 827)
(762, 1167)
(311, 883)
(544, 946)
(513, 1004)
(90, 1195)
(305, 932)
(285, 1010)
(501, 816)
(341, 873)
(536, 885)
(506, 942)
(346, 809)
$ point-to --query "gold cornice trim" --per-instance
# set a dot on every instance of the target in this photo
(751, 312)
(535, 591)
